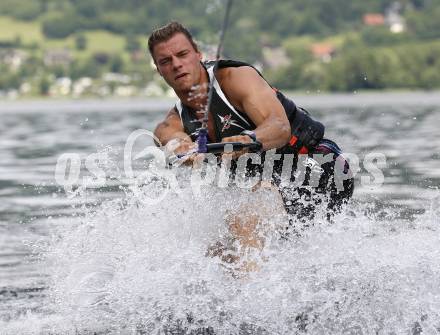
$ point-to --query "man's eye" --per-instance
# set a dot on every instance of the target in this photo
(165, 61)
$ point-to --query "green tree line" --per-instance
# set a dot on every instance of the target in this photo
(368, 58)
(278, 20)
(413, 65)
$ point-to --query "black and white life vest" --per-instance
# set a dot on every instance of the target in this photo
(228, 121)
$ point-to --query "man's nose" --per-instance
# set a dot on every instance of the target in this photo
(176, 63)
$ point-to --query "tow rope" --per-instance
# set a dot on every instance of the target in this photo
(202, 137)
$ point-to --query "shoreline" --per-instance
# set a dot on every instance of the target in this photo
(311, 100)
(367, 99)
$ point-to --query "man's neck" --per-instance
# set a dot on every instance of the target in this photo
(197, 97)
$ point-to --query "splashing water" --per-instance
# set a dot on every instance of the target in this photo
(127, 267)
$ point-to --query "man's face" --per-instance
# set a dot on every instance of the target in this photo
(178, 63)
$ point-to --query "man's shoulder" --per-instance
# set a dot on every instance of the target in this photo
(240, 74)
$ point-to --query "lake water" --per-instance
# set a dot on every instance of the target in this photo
(100, 260)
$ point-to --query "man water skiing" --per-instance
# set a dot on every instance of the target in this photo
(244, 108)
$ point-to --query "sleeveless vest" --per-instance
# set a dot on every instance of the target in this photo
(228, 121)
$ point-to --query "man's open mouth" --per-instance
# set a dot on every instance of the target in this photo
(180, 76)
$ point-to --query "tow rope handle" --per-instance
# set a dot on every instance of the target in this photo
(217, 148)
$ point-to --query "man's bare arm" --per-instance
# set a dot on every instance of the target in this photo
(252, 94)
(171, 128)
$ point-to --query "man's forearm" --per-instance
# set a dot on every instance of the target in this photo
(165, 134)
(175, 136)
(273, 133)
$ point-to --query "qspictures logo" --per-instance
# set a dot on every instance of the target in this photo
(75, 172)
